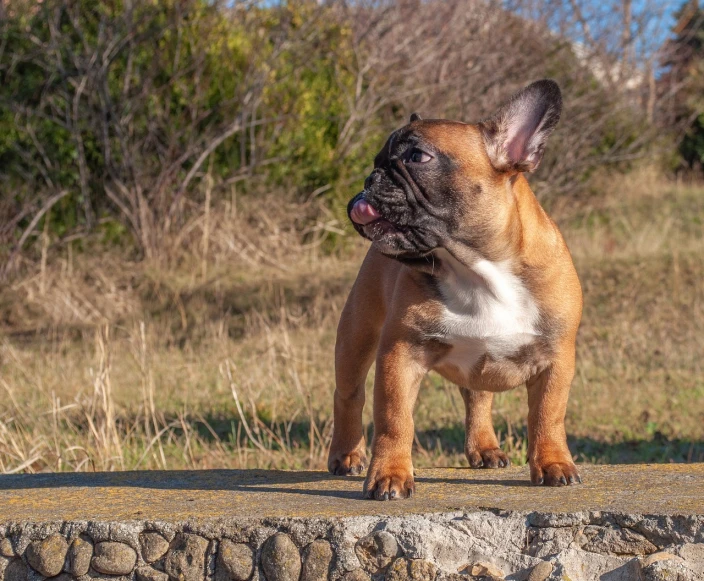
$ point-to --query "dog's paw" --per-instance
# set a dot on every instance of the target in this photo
(554, 474)
(351, 464)
(389, 481)
(489, 458)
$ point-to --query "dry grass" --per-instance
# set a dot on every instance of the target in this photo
(220, 354)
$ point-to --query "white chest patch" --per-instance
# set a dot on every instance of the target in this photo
(488, 310)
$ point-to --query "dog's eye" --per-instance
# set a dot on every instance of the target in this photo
(418, 156)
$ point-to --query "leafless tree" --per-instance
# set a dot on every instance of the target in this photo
(460, 58)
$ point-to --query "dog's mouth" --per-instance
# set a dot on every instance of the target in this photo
(396, 229)
(368, 219)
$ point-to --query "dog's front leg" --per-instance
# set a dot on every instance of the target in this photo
(549, 457)
(357, 339)
(398, 375)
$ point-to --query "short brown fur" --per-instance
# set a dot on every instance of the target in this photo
(393, 308)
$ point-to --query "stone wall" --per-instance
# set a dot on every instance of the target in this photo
(449, 546)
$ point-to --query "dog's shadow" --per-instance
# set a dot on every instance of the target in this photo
(316, 483)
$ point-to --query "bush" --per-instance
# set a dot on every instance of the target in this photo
(114, 112)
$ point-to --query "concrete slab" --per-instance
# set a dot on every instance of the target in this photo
(178, 495)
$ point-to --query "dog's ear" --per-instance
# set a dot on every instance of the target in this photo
(515, 135)
(415, 117)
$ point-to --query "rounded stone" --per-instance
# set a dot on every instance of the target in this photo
(317, 559)
(280, 559)
(47, 556)
(80, 552)
(150, 574)
(153, 546)
(114, 558)
(421, 569)
(356, 575)
(693, 553)
(657, 557)
(665, 566)
(16, 570)
(185, 560)
(541, 571)
(6, 548)
(235, 562)
(488, 570)
(411, 570)
(376, 550)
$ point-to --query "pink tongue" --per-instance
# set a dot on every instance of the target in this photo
(363, 213)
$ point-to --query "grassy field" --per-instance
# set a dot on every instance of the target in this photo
(220, 354)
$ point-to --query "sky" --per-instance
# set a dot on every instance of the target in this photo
(602, 11)
(605, 19)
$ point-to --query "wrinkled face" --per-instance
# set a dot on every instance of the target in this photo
(440, 181)
(412, 201)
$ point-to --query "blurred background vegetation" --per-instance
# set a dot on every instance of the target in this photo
(174, 249)
(113, 113)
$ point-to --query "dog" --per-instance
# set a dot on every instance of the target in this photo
(467, 276)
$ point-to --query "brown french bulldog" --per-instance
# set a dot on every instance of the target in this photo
(467, 276)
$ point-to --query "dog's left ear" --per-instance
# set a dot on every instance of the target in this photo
(415, 117)
(516, 134)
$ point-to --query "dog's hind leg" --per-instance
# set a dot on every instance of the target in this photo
(481, 445)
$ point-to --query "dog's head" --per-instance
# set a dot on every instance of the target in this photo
(436, 181)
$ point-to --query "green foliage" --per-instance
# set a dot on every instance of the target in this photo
(687, 70)
(174, 76)
(305, 92)
(692, 146)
